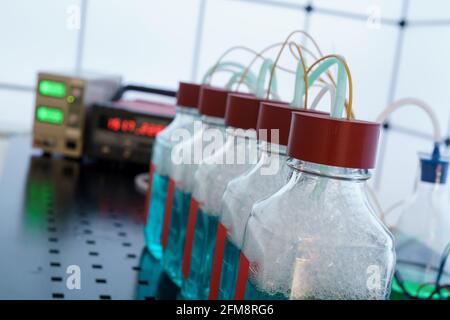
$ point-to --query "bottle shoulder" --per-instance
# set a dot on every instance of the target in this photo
(185, 122)
(425, 217)
(308, 209)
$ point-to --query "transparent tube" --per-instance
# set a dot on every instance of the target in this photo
(318, 238)
(236, 156)
(189, 154)
(161, 168)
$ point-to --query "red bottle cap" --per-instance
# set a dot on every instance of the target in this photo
(334, 142)
(213, 101)
(188, 94)
(242, 111)
(276, 115)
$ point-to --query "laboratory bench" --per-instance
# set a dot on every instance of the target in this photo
(60, 218)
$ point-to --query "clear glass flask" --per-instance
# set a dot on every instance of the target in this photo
(160, 167)
(190, 154)
(318, 237)
(422, 235)
(237, 155)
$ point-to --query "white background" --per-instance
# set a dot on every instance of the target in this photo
(160, 42)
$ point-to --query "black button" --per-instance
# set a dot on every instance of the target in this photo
(70, 144)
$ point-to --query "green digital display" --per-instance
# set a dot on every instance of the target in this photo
(52, 88)
(50, 115)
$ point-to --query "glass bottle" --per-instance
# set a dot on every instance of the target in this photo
(261, 181)
(318, 237)
(422, 235)
(190, 153)
(237, 155)
(160, 167)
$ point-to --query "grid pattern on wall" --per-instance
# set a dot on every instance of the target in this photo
(395, 48)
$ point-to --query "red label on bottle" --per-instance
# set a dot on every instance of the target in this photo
(241, 284)
(217, 262)
(167, 213)
(148, 196)
(192, 219)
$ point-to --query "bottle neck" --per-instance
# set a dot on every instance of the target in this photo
(330, 172)
(272, 148)
(181, 110)
(212, 121)
(238, 134)
(430, 187)
(185, 114)
(273, 161)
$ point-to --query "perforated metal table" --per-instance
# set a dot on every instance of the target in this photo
(57, 212)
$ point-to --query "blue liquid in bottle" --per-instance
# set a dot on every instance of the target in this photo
(253, 293)
(173, 254)
(153, 228)
(196, 286)
(229, 273)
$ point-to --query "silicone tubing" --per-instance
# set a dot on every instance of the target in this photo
(338, 106)
(265, 69)
(260, 55)
(384, 115)
(220, 65)
(299, 90)
(437, 136)
(300, 87)
(223, 66)
(326, 87)
(236, 78)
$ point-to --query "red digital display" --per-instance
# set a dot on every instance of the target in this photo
(131, 126)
